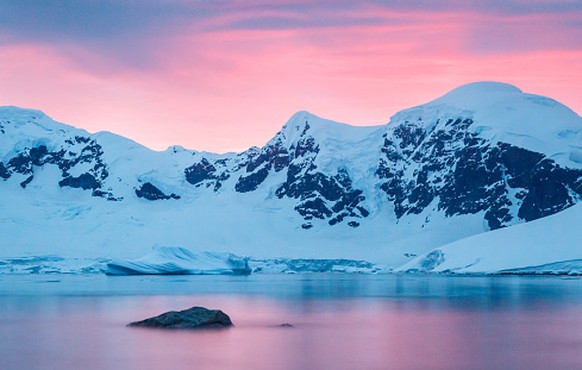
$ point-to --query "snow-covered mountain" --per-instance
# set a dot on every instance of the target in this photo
(482, 157)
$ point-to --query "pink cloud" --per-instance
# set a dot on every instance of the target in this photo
(211, 87)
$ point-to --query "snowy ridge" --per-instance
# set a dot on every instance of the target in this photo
(485, 156)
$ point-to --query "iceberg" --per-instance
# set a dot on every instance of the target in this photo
(181, 261)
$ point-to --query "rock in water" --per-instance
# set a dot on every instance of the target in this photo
(192, 318)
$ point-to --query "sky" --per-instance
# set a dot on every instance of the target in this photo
(226, 75)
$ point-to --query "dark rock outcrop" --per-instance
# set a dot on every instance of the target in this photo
(4, 171)
(192, 318)
(78, 151)
(150, 192)
(85, 181)
(206, 173)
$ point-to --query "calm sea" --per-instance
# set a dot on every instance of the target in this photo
(339, 322)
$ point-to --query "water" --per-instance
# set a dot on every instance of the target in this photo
(340, 322)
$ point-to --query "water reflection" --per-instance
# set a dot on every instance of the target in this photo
(340, 322)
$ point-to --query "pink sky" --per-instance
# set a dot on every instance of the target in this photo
(228, 76)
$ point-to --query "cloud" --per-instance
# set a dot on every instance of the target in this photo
(206, 74)
(115, 33)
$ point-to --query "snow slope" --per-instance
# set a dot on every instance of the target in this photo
(549, 245)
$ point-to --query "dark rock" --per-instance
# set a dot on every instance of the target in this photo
(82, 139)
(252, 181)
(286, 325)
(192, 318)
(313, 208)
(200, 171)
(151, 192)
(550, 190)
(21, 164)
(275, 156)
(4, 171)
(306, 145)
(107, 195)
(206, 173)
(85, 181)
(315, 191)
(25, 183)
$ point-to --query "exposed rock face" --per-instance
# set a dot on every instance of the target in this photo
(77, 154)
(205, 173)
(150, 192)
(192, 318)
(449, 168)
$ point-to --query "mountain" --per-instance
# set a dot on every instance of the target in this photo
(484, 156)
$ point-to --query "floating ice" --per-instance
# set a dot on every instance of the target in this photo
(181, 261)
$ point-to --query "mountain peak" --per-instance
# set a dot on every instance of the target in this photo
(302, 119)
(501, 112)
(30, 123)
(486, 87)
(21, 113)
(303, 122)
(478, 95)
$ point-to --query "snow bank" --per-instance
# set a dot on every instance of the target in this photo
(551, 245)
(175, 260)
